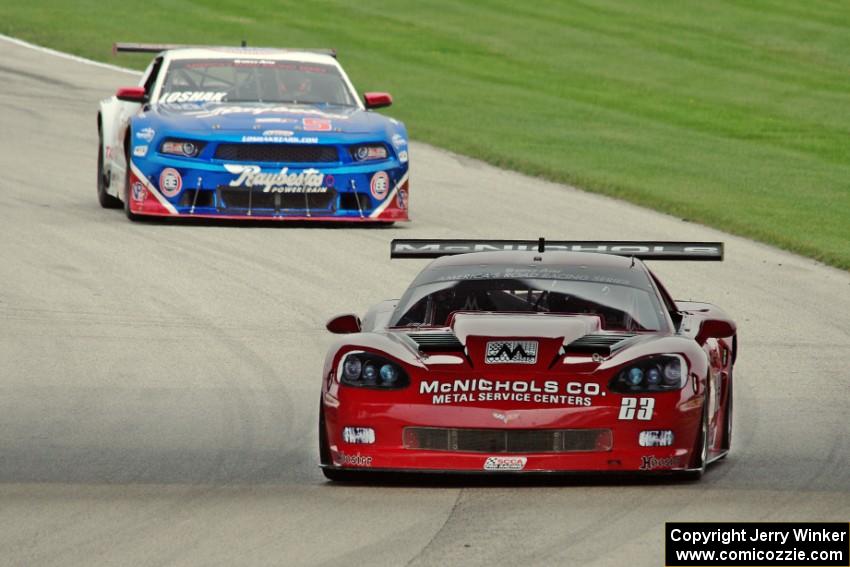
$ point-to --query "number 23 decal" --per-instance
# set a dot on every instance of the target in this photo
(637, 408)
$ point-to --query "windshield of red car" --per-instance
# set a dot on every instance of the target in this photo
(253, 80)
(619, 305)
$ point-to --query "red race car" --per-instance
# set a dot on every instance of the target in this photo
(531, 357)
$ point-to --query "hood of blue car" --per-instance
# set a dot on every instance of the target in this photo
(255, 118)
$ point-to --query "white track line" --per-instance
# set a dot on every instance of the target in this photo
(64, 55)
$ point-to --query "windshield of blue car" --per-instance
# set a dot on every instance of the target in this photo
(618, 305)
(253, 80)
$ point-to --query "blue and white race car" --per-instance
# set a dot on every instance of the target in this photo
(247, 133)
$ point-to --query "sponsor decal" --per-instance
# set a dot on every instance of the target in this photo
(380, 185)
(146, 134)
(511, 352)
(650, 463)
(668, 250)
(283, 133)
(505, 417)
(505, 463)
(275, 120)
(282, 139)
(191, 96)
(402, 156)
(287, 65)
(550, 392)
(535, 272)
(399, 141)
(140, 151)
(307, 181)
(139, 192)
(316, 125)
(253, 62)
(401, 199)
(259, 111)
(170, 182)
(636, 408)
(356, 460)
(329, 180)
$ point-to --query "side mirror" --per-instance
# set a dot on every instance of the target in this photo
(344, 324)
(132, 94)
(715, 329)
(377, 100)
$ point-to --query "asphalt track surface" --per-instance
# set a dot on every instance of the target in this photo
(159, 382)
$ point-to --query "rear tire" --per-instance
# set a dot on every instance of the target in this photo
(106, 200)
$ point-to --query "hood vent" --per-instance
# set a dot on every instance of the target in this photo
(599, 343)
(436, 342)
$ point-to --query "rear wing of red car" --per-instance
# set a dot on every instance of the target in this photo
(644, 250)
(158, 47)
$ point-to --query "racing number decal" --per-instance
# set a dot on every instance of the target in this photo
(645, 407)
(640, 408)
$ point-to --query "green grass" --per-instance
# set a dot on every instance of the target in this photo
(734, 114)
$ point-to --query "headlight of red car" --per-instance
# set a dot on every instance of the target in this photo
(655, 374)
(368, 370)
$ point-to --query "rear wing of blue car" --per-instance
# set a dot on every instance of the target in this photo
(644, 250)
(158, 47)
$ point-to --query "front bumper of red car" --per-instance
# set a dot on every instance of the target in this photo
(492, 439)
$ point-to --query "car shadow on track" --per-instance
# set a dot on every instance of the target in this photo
(252, 223)
(507, 480)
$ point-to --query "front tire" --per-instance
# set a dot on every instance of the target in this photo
(700, 451)
(106, 200)
(324, 448)
(335, 475)
(727, 420)
(128, 190)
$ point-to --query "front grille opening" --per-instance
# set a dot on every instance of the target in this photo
(313, 200)
(507, 440)
(348, 201)
(204, 198)
(281, 153)
(243, 199)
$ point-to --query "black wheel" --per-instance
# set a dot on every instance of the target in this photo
(324, 448)
(106, 200)
(127, 193)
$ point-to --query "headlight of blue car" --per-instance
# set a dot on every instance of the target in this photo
(369, 152)
(182, 148)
